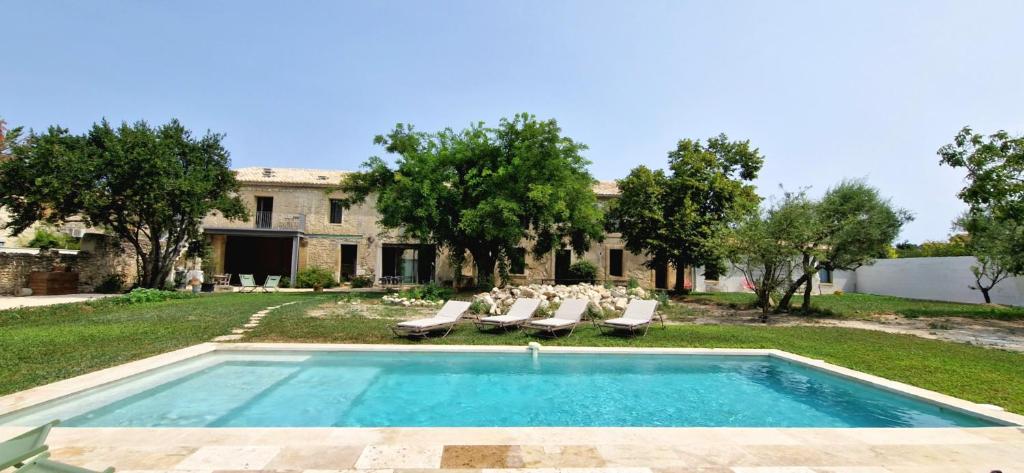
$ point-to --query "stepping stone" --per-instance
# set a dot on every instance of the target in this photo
(227, 338)
(239, 330)
(251, 325)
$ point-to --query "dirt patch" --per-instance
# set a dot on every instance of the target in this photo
(1004, 334)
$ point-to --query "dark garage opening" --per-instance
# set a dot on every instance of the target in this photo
(259, 256)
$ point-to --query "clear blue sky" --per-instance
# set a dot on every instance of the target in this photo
(825, 89)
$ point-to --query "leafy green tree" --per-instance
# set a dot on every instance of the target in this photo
(990, 241)
(758, 248)
(957, 245)
(484, 191)
(679, 217)
(150, 187)
(47, 238)
(995, 185)
(849, 227)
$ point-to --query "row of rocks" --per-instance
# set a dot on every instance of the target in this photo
(601, 299)
(395, 299)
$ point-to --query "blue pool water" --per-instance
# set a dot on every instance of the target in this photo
(402, 389)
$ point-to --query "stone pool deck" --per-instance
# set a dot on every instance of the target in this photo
(451, 450)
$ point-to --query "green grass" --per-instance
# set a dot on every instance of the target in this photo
(44, 344)
(974, 373)
(860, 305)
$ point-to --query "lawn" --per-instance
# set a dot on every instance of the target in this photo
(974, 373)
(860, 305)
(44, 344)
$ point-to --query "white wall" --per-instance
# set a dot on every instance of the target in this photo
(941, 279)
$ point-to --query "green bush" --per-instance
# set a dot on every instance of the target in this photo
(583, 271)
(47, 239)
(142, 295)
(113, 284)
(362, 281)
(430, 292)
(314, 276)
(479, 307)
(633, 283)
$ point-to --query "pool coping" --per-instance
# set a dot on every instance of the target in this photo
(50, 392)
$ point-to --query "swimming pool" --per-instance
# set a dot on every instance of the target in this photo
(419, 389)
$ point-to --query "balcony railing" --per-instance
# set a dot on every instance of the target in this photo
(279, 221)
(261, 220)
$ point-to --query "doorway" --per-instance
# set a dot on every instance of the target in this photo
(563, 260)
(348, 261)
(264, 212)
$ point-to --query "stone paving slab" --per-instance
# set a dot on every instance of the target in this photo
(451, 450)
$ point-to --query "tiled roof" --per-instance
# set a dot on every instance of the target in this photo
(321, 177)
(327, 177)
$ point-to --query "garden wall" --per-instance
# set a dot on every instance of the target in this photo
(99, 258)
(940, 278)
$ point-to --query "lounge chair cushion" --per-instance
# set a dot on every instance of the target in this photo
(423, 323)
(626, 322)
(503, 319)
(640, 309)
(452, 310)
(571, 309)
(553, 322)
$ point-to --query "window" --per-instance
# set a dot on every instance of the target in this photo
(615, 262)
(825, 276)
(264, 212)
(710, 274)
(517, 261)
(337, 211)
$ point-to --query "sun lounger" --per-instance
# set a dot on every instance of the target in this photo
(638, 315)
(24, 447)
(43, 464)
(248, 283)
(270, 284)
(445, 319)
(567, 317)
(520, 312)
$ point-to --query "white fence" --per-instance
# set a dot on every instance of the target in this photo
(940, 279)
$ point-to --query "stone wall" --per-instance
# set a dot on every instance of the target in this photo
(99, 258)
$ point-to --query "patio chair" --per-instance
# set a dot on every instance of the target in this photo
(638, 314)
(16, 451)
(446, 318)
(520, 312)
(248, 282)
(271, 283)
(567, 317)
(43, 464)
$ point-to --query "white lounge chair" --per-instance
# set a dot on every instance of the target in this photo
(638, 314)
(446, 318)
(248, 283)
(567, 317)
(520, 312)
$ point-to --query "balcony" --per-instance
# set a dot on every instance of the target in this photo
(260, 220)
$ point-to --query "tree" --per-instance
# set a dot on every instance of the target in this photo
(150, 187)
(484, 190)
(680, 217)
(995, 185)
(989, 242)
(758, 248)
(850, 227)
(956, 245)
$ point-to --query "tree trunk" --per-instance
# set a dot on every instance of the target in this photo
(984, 292)
(790, 291)
(806, 307)
(485, 263)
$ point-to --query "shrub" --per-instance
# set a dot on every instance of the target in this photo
(314, 276)
(633, 283)
(583, 271)
(113, 284)
(837, 292)
(47, 239)
(142, 295)
(479, 307)
(429, 292)
(362, 281)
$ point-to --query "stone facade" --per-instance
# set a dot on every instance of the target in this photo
(301, 210)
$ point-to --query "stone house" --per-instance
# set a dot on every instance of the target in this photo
(297, 222)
